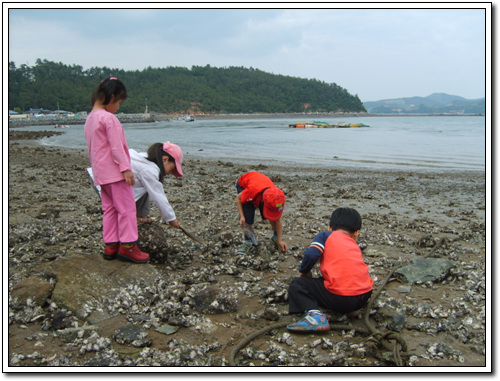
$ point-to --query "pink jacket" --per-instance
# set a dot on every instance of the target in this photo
(108, 150)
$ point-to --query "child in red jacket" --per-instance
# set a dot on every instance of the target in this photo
(256, 190)
(345, 284)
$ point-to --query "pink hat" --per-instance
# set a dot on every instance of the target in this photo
(274, 202)
(175, 151)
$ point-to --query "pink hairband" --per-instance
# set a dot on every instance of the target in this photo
(112, 78)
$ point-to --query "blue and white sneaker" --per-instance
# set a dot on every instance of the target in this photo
(246, 248)
(313, 321)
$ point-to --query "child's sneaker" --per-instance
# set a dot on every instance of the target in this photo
(133, 254)
(313, 321)
(274, 239)
(246, 248)
(110, 251)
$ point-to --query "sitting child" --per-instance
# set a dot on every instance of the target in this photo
(345, 284)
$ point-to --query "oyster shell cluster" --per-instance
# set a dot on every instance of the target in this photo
(199, 301)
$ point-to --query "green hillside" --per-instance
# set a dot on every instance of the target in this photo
(176, 90)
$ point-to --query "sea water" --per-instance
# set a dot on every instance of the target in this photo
(390, 142)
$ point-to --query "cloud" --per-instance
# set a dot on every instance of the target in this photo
(372, 52)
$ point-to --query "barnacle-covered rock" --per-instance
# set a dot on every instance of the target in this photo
(132, 334)
(153, 240)
(35, 288)
(213, 300)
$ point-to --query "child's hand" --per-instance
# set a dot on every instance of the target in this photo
(129, 178)
(242, 221)
(175, 224)
(283, 245)
(305, 275)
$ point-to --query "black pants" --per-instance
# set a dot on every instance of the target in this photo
(306, 294)
(249, 208)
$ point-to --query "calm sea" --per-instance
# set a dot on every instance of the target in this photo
(409, 142)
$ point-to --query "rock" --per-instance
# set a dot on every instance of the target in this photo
(178, 321)
(404, 289)
(393, 318)
(98, 316)
(70, 334)
(206, 327)
(212, 300)
(133, 335)
(34, 288)
(271, 314)
(152, 240)
(426, 241)
(442, 350)
(60, 320)
(101, 362)
(47, 213)
(167, 329)
(330, 360)
(398, 322)
(82, 279)
(204, 298)
(139, 318)
(425, 270)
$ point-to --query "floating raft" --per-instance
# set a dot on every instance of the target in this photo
(317, 124)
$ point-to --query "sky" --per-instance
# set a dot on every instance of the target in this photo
(374, 53)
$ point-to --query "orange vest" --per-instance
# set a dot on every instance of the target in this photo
(343, 267)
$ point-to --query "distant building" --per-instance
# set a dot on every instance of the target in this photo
(63, 113)
(16, 115)
(37, 111)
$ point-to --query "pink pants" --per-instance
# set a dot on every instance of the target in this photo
(119, 221)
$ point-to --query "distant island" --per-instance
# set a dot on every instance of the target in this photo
(437, 103)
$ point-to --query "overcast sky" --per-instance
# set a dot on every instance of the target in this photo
(374, 53)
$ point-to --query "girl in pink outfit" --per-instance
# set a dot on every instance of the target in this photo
(110, 161)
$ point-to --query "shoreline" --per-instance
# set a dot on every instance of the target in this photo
(152, 118)
(55, 222)
(32, 138)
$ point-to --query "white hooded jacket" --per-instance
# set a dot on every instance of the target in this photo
(147, 176)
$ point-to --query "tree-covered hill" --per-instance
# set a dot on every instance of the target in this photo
(204, 89)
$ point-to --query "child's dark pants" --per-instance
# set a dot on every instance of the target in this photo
(249, 208)
(306, 294)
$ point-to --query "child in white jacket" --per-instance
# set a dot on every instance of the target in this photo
(149, 169)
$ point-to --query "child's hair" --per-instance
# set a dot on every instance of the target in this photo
(155, 154)
(345, 219)
(107, 88)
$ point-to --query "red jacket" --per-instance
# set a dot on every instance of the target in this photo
(254, 183)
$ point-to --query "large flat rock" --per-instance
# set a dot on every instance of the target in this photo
(425, 270)
(83, 278)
